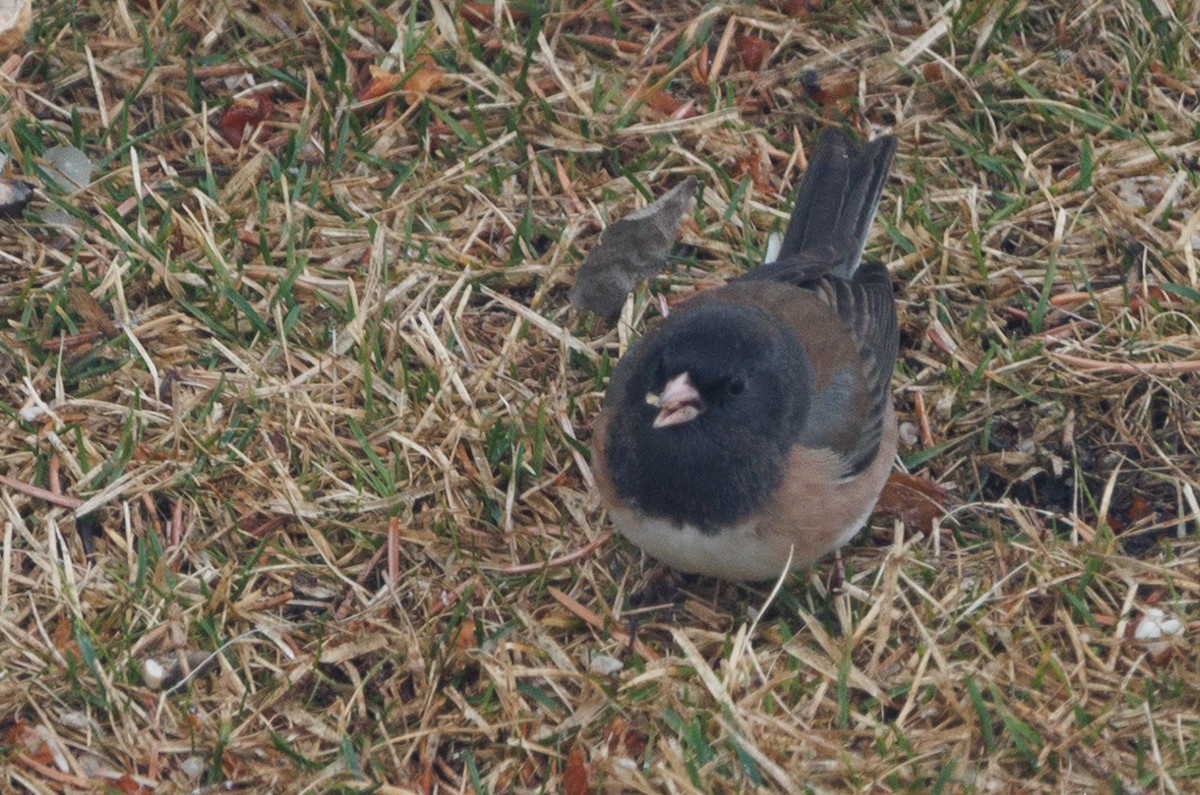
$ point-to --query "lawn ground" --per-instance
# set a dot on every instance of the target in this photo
(296, 365)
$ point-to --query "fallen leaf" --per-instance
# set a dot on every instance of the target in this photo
(659, 100)
(464, 636)
(423, 81)
(798, 8)
(481, 15)
(754, 51)
(615, 733)
(918, 502)
(830, 92)
(575, 775)
(90, 311)
(630, 250)
(1139, 508)
(243, 115)
(624, 740)
(127, 785)
(381, 82)
(27, 739)
(750, 164)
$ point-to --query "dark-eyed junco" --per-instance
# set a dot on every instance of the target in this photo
(755, 424)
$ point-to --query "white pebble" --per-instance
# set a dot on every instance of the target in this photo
(1156, 623)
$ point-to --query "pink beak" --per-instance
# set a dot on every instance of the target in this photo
(679, 402)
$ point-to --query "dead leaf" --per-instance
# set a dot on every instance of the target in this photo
(89, 310)
(24, 737)
(481, 15)
(575, 775)
(630, 250)
(659, 100)
(830, 92)
(918, 502)
(750, 164)
(381, 82)
(427, 78)
(464, 636)
(243, 115)
(754, 51)
(127, 785)
(799, 8)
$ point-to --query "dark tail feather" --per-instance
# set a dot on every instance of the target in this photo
(837, 197)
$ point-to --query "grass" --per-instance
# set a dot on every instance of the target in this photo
(296, 423)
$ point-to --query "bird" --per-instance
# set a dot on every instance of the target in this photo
(753, 428)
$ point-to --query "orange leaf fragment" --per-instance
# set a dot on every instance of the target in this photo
(128, 786)
(829, 93)
(380, 82)
(464, 637)
(798, 8)
(916, 501)
(243, 115)
(660, 101)
(625, 740)
(754, 51)
(426, 79)
(615, 733)
(752, 165)
(575, 775)
(481, 15)
(23, 736)
(1139, 508)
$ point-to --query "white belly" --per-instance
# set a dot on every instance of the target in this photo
(734, 553)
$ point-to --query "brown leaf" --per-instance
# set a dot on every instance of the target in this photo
(658, 100)
(1139, 508)
(830, 92)
(575, 775)
(916, 501)
(615, 733)
(799, 8)
(15, 734)
(481, 15)
(380, 82)
(88, 310)
(464, 636)
(24, 737)
(128, 786)
(751, 164)
(420, 83)
(753, 51)
(630, 250)
(624, 740)
(64, 639)
(243, 115)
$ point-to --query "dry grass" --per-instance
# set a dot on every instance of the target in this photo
(342, 349)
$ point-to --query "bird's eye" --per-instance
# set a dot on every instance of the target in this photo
(736, 386)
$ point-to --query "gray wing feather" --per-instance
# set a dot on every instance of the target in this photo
(868, 307)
